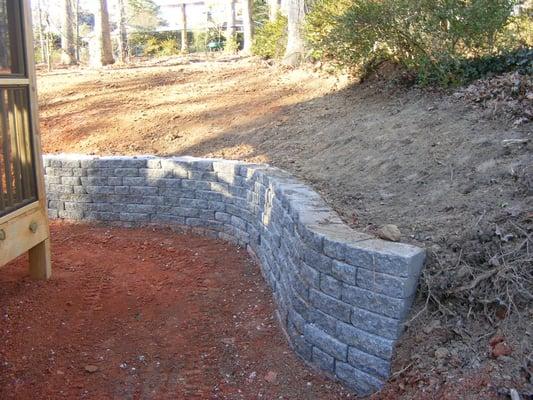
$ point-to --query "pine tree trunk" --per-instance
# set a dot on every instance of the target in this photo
(104, 50)
(230, 28)
(295, 45)
(42, 41)
(77, 29)
(68, 50)
(247, 25)
(123, 33)
(184, 41)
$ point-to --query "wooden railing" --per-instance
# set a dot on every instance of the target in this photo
(17, 176)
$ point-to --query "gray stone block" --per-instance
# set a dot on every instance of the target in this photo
(301, 346)
(310, 275)
(71, 215)
(378, 303)
(210, 196)
(134, 217)
(152, 174)
(364, 384)
(94, 181)
(143, 190)
(324, 321)
(323, 361)
(330, 305)
(70, 180)
(50, 179)
(122, 189)
(372, 365)
(171, 183)
(344, 272)
(216, 206)
(100, 189)
(126, 172)
(371, 344)
(134, 181)
(60, 189)
(376, 323)
(185, 212)
(325, 342)
(195, 185)
(330, 286)
(317, 261)
(100, 172)
(387, 257)
(387, 284)
(202, 176)
(114, 180)
(297, 320)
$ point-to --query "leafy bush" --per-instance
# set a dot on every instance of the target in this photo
(231, 45)
(433, 38)
(157, 43)
(270, 40)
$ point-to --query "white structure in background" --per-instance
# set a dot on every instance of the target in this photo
(201, 14)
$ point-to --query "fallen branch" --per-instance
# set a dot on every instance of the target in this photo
(476, 281)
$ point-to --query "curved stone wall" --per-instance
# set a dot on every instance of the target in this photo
(341, 295)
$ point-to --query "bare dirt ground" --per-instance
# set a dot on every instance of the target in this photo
(455, 176)
(144, 314)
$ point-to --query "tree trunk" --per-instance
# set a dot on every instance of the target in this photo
(42, 41)
(230, 46)
(273, 10)
(123, 33)
(230, 20)
(184, 41)
(295, 45)
(103, 51)
(48, 41)
(68, 50)
(77, 29)
(247, 25)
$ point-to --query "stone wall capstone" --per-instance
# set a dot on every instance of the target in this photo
(342, 296)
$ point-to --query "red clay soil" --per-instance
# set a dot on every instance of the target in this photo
(146, 314)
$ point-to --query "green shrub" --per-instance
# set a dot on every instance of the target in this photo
(435, 39)
(270, 40)
(231, 45)
(169, 47)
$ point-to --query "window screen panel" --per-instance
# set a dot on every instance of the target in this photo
(17, 177)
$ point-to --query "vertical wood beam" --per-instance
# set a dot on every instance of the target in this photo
(40, 261)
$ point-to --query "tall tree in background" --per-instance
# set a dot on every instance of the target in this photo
(273, 8)
(295, 44)
(123, 33)
(40, 30)
(184, 42)
(68, 47)
(247, 25)
(230, 20)
(104, 51)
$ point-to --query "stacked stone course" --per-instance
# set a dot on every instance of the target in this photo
(342, 296)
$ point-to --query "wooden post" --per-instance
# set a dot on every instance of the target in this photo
(39, 255)
(40, 261)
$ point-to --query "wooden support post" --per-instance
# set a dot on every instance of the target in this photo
(40, 261)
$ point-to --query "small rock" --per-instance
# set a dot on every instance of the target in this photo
(271, 376)
(496, 339)
(91, 368)
(441, 352)
(390, 233)
(501, 349)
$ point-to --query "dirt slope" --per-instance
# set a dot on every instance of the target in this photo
(379, 154)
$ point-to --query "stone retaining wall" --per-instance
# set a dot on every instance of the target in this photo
(341, 295)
